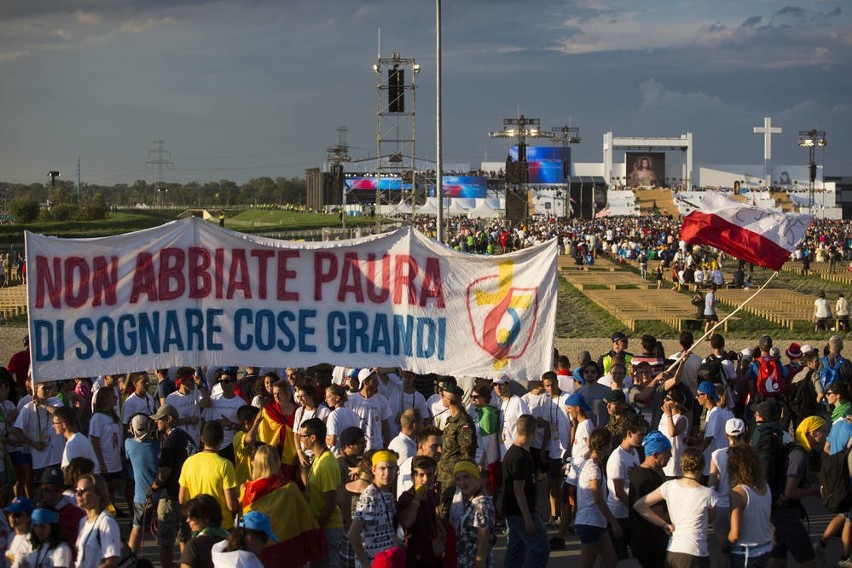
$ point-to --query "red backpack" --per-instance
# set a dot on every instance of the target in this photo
(770, 377)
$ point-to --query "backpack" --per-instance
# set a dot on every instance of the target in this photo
(774, 454)
(834, 479)
(770, 377)
(829, 374)
(711, 370)
(803, 397)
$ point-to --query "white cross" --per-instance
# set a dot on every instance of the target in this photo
(767, 130)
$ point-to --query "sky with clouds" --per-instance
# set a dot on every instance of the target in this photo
(258, 87)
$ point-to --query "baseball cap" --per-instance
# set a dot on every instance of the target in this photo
(734, 427)
(351, 435)
(257, 521)
(141, 427)
(767, 409)
(52, 476)
(20, 505)
(746, 353)
(363, 375)
(44, 517)
(501, 380)
(618, 336)
(165, 410)
(807, 348)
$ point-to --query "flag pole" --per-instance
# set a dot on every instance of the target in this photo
(715, 327)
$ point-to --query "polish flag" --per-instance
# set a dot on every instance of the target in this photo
(751, 234)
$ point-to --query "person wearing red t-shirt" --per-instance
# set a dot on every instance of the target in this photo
(19, 365)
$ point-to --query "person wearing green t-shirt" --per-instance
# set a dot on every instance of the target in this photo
(321, 476)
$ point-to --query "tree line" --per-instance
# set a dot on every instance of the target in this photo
(63, 202)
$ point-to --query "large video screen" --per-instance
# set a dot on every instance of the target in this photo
(464, 186)
(372, 183)
(545, 163)
(645, 169)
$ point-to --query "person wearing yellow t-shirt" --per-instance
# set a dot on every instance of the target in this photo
(321, 476)
(242, 451)
(208, 472)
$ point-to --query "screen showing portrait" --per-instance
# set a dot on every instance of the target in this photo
(645, 169)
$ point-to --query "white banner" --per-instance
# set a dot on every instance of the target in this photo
(190, 293)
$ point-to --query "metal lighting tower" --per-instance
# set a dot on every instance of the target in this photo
(336, 155)
(519, 128)
(810, 139)
(160, 158)
(395, 124)
(566, 135)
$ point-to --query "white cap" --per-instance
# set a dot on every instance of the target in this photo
(806, 348)
(363, 375)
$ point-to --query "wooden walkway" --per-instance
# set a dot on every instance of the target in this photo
(841, 274)
(666, 306)
(781, 306)
(13, 302)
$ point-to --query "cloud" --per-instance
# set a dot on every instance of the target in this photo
(13, 55)
(752, 21)
(793, 11)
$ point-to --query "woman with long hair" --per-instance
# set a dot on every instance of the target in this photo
(269, 492)
(581, 429)
(263, 390)
(692, 507)
(105, 433)
(274, 426)
(674, 425)
(472, 516)
(340, 418)
(593, 513)
(49, 548)
(750, 535)
(99, 538)
(348, 501)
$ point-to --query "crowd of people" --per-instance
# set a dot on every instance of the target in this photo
(659, 456)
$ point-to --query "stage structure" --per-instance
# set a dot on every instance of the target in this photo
(517, 168)
(395, 129)
(639, 148)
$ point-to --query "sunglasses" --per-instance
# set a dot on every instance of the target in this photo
(474, 397)
(82, 490)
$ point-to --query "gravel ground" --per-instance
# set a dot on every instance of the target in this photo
(11, 340)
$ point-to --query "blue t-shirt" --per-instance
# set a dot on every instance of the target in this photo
(839, 435)
(143, 458)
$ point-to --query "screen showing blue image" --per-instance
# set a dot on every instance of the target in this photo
(545, 163)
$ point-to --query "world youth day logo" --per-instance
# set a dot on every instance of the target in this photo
(502, 317)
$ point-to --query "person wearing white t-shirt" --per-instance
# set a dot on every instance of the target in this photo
(621, 461)
(34, 428)
(593, 512)
(735, 432)
(557, 439)
(140, 401)
(404, 443)
(511, 408)
(714, 424)
(413, 399)
(189, 403)
(581, 430)
(107, 437)
(537, 401)
(691, 506)
(372, 410)
(223, 409)
(77, 445)
(674, 425)
(340, 418)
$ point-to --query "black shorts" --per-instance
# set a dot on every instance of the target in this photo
(554, 468)
(713, 317)
(791, 535)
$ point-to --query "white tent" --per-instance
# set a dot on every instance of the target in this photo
(487, 208)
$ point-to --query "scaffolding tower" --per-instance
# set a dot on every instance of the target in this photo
(395, 130)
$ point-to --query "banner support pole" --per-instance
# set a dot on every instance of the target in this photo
(715, 327)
